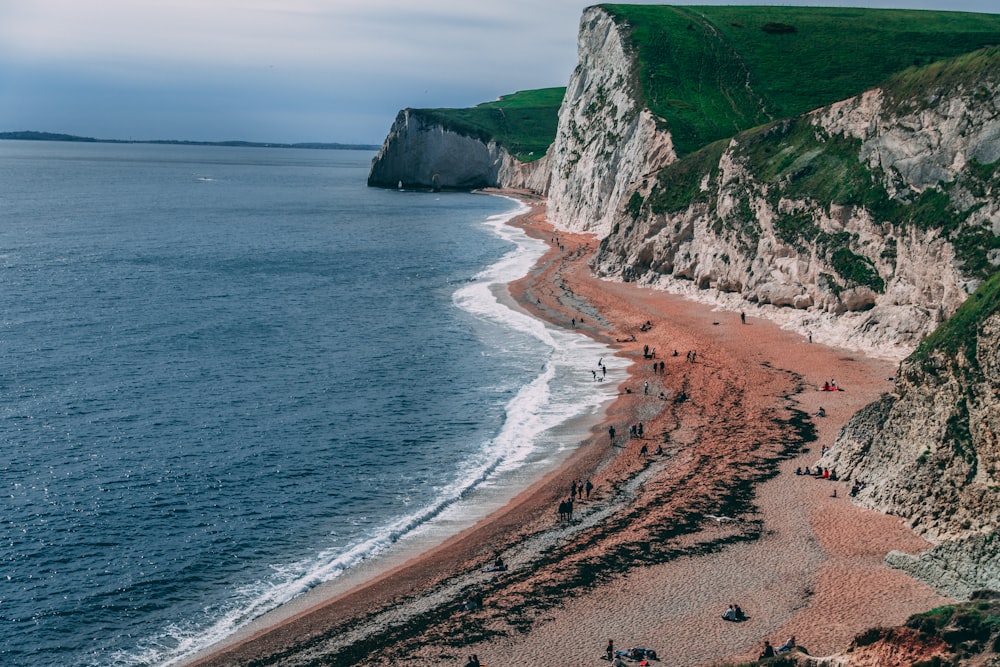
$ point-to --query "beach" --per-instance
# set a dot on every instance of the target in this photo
(703, 510)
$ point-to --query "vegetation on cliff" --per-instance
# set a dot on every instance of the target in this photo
(956, 339)
(524, 123)
(710, 72)
(804, 172)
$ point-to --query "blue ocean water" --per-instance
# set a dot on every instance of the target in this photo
(230, 374)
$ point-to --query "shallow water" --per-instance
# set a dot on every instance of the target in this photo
(229, 374)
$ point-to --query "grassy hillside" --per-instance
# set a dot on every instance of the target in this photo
(958, 335)
(713, 71)
(524, 123)
(796, 160)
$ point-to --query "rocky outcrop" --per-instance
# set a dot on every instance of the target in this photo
(930, 451)
(422, 153)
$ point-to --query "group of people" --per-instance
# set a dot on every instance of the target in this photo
(473, 661)
(831, 386)
(579, 487)
(817, 472)
(644, 655)
(769, 651)
(644, 450)
(734, 614)
(566, 509)
(648, 352)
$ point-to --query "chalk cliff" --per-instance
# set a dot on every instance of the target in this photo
(420, 152)
(606, 139)
(873, 218)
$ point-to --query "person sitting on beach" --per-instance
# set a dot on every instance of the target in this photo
(768, 651)
(826, 386)
(788, 645)
(473, 661)
(798, 471)
(730, 614)
(820, 413)
(740, 614)
(618, 662)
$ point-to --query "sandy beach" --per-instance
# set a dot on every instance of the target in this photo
(703, 510)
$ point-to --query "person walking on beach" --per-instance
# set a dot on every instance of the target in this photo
(589, 487)
(572, 489)
(610, 649)
(611, 432)
(743, 317)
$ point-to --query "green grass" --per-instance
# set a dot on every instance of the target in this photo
(678, 185)
(958, 335)
(524, 123)
(710, 72)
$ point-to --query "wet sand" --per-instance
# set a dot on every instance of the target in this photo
(666, 540)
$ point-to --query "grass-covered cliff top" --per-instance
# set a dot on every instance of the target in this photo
(710, 72)
(524, 123)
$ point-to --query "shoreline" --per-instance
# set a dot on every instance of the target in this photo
(698, 520)
(501, 489)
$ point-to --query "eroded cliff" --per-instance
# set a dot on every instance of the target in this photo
(873, 217)
(930, 451)
(421, 152)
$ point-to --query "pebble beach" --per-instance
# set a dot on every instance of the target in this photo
(702, 511)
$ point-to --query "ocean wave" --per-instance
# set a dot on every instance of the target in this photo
(561, 389)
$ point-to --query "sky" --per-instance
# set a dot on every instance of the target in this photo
(286, 70)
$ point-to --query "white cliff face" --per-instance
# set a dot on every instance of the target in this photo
(919, 147)
(425, 154)
(606, 138)
(854, 276)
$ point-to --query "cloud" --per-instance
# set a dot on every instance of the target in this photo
(307, 65)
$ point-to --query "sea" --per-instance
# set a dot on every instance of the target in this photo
(229, 375)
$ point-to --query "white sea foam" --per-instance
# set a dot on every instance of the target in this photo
(563, 389)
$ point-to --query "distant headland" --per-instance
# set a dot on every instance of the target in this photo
(53, 136)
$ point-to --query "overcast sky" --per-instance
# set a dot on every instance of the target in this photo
(284, 70)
